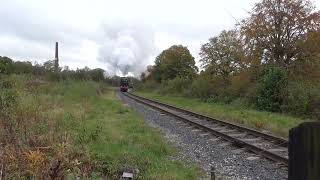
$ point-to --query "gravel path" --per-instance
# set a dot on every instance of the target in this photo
(198, 146)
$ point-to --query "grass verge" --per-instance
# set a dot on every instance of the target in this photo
(72, 129)
(278, 124)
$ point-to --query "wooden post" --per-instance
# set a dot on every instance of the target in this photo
(304, 152)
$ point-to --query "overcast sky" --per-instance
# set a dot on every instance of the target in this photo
(115, 35)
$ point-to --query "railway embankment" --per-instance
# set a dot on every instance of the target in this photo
(196, 145)
(275, 123)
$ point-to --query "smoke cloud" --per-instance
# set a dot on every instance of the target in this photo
(126, 49)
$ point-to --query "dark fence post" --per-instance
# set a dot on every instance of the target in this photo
(212, 173)
(304, 152)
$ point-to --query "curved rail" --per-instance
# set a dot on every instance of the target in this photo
(271, 140)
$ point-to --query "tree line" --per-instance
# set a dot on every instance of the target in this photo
(270, 61)
(48, 70)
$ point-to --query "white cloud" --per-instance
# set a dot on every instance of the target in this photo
(111, 34)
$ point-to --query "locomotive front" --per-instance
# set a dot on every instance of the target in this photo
(124, 84)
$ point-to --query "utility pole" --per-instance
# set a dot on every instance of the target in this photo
(56, 58)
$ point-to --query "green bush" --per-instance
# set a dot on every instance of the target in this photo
(53, 76)
(221, 90)
(201, 88)
(6, 65)
(176, 85)
(303, 99)
(150, 85)
(271, 89)
(211, 89)
(7, 95)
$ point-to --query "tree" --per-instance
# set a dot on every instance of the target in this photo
(49, 66)
(97, 74)
(275, 27)
(6, 65)
(176, 61)
(143, 76)
(22, 67)
(38, 69)
(223, 55)
(309, 59)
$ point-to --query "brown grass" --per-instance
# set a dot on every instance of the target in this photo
(35, 142)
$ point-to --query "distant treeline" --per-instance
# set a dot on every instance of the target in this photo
(48, 71)
(270, 61)
(8, 66)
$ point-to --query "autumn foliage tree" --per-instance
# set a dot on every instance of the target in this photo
(276, 27)
(282, 34)
(176, 61)
(309, 58)
(270, 61)
(223, 55)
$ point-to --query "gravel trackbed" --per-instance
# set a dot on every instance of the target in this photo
(204, 149)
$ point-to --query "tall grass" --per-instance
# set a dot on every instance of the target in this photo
(70, 129)
(36, 137)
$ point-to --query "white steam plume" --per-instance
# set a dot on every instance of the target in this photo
(126, 49)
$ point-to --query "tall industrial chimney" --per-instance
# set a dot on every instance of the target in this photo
(56, 58)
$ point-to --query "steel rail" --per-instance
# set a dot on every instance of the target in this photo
(279, 140)
(238, 142)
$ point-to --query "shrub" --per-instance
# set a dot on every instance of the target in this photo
(303, 99)
(211, 89)
(201, 87)
(150, 85)
(220, 89)
(241, 83)
(271, 88)
(53, 76)
(176, 85)
(7, 97)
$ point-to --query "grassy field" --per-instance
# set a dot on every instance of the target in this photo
(78, 129)
(276, 123)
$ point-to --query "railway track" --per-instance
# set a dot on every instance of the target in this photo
(263, 144)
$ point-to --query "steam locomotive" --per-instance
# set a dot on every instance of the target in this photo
(124, 84)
